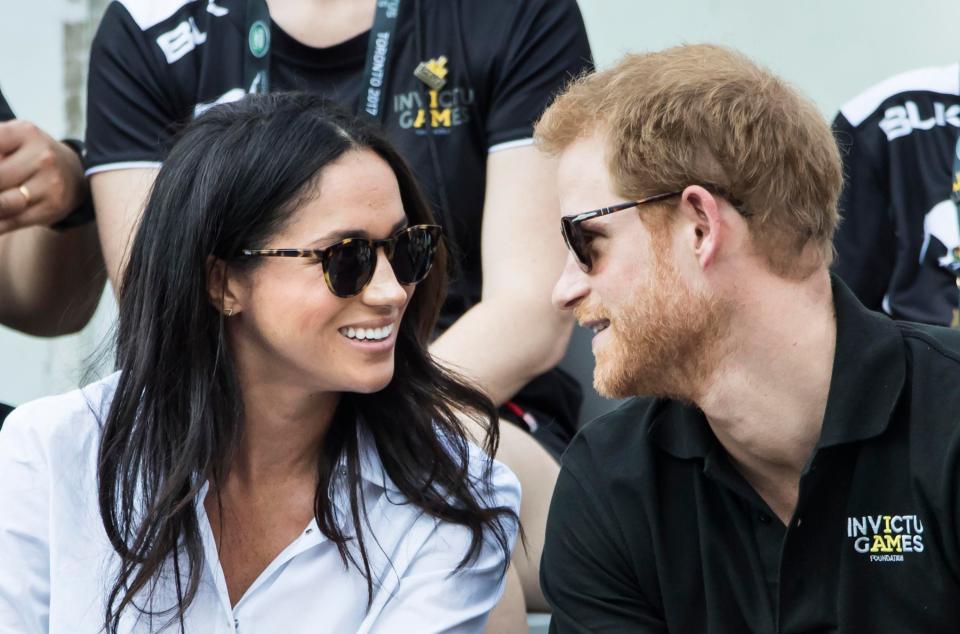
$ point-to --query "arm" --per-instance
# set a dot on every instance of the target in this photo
(585, 571)
(132, 108)
(119, 196)
(50, 281)
(24, 549)
(865, 241)
(514, 333)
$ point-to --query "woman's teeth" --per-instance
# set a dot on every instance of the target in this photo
(368, 334)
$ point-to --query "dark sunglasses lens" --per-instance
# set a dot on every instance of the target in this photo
(413, 254)
(574, 240)
(349, 267)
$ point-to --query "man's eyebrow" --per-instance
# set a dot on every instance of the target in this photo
(343, 234)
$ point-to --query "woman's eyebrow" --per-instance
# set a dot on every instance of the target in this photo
(342, 234)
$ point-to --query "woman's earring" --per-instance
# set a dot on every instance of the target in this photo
(228, 312)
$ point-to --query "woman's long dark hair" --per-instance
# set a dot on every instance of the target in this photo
(231, 181)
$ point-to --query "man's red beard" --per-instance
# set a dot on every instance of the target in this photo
(666, 342)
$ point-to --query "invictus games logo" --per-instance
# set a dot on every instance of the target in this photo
(432, 72)
(885, 538)
(259, 38)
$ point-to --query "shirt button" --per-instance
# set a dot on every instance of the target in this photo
(764, 518)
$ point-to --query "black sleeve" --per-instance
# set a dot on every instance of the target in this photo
(5, 112)
(131, 99)
(865, 240)
(585, 571)
(546, 46)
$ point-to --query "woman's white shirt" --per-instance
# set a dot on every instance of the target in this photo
(56, 563)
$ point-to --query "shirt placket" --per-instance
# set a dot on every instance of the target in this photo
(234, 617)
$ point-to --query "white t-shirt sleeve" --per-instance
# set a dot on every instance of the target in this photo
(431, 598)
(24, 527)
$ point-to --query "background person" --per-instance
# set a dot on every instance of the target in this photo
(897, 244)
(456, 85)
(51, 271)
(277, 425)
(792, 465)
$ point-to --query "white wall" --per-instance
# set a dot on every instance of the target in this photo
(830, 50)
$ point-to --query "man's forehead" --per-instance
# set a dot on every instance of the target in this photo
(583, 178)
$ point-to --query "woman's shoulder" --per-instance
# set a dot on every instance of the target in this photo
(503, 488)
(61, 426)
(493, 481)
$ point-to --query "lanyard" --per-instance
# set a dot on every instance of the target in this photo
(256, 62)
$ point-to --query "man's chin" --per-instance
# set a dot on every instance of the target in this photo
(610, 383)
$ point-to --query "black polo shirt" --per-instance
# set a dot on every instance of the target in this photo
(652, 529)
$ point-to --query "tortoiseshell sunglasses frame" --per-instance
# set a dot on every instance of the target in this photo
(323, 255)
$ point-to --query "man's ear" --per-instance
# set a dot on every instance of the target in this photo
(704, 220)
(219, 288)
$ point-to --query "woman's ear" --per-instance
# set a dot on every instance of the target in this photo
(219, 289)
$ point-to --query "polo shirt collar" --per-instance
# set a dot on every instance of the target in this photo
(869, 371)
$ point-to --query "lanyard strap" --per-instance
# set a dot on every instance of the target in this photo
(256, 63)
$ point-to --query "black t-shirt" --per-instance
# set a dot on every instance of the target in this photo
(156, 63)
(899, 223)
(652, 528)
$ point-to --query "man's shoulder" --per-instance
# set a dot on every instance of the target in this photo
(931, 345)
(922, 84)
(933, 354)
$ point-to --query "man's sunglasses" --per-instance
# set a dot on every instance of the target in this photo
(577, 242)
(349, 264)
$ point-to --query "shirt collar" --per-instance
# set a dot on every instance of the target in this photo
(371, 467)
(869, 371)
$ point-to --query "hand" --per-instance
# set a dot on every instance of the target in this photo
(41, 179)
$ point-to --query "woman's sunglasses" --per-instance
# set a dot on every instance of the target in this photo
(348, 265)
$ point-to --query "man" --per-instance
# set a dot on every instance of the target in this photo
(794, 466)
(51, 270)
(897, 245)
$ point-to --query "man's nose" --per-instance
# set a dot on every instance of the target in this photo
(572, 286)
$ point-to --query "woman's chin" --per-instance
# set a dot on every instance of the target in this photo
(371, 384)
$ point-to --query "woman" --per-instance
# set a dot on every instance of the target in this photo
(278, 453)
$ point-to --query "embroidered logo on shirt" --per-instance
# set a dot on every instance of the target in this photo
(432, 72)
(886, 538)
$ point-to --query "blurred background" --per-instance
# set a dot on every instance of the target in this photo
(829, 50)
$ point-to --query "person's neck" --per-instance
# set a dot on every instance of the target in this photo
(322, 23)
(283, 432)
(766, 403)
